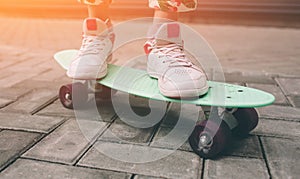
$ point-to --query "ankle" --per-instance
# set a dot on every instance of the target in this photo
(171, 16)
(100, 11)
(160, 18)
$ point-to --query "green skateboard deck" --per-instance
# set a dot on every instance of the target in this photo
(137, 82)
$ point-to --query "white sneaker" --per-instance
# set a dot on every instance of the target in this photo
(90, 62)
(177, 76)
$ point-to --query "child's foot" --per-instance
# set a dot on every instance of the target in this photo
(90, 62)
(177, 76)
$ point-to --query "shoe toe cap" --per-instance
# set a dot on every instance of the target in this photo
(172, 87)
(183, 79)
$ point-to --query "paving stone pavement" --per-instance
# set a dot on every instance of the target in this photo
(41, 139)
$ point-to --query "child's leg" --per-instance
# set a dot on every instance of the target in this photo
(168, 10)
(173, 5)
(176, 73)
(100, 11)
(159, 14)
(97, 41)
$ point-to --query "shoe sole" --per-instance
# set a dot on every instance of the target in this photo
(184, 93)
(88, 75)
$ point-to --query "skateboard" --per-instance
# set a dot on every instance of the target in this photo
(209, 137)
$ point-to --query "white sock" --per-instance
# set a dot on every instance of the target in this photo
(157, 22)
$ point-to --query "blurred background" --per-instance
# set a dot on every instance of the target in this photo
(279, 13)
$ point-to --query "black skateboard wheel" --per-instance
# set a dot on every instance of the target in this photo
(71, 94)
(247, 120)
(103, 92)
(207, 145)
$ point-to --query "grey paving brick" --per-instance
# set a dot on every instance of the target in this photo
(104, 109)
(278, 128)
(295, 101)
(13, 93)
(48, 61)
(185, 112)
(273, 89)
(245, 147)
(28, 122)
(14, 57)
(4, 64)
(235, 167)
(179, 164)
(62, 79)
(17, 78)
(56, 109)
(67, 142)
(283, 157)
(140, 106)
(33, 101)
(5, 73)
(51, 75)
(248, 77)
(23, 107)
(121, 132)
(36, 84)
(24, 168)
(280, 112)
(163, 132)
(5, 102)
(30, 60)
(16, 51)
(172, 116)
(179, 117)
(290, 86)
(96, 110)
(13, 143)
